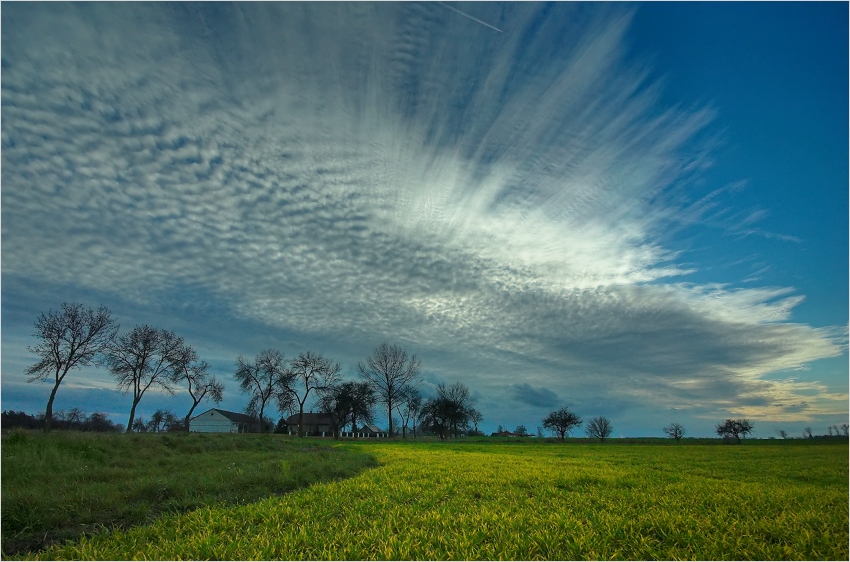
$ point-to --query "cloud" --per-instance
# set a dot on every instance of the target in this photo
(534, 396)
(352, 173)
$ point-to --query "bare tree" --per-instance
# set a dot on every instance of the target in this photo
(783, 434)
(475, 418)
(844, 429)
(389, 370)
(737, 428)
(561, 421)
(808, 433)
(264, 378)
(201, 385)
(146, 357)
(71, 338)
(408, 408)
(309, 371)
(599, 428)
(675, 431)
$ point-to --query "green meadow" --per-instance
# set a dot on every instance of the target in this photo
(496, 500)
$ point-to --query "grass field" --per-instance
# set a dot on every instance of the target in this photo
(478, 500)
(63, 485)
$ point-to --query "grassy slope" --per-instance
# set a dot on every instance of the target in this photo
(533, 501)
(66, 484)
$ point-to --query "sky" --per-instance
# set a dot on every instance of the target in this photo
(633, 210)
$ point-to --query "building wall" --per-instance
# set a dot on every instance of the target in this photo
(212, 422)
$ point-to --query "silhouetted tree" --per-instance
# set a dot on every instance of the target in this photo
(449, 412)
(69, 339)
(309, 371)
(475, 418)
(599, 428)
(200, 384)
(844, 429)
(146, 357)
(808, 433)
(737, 428)
(521, 430)
(388, 370)
(675, 431)
(408, 408)
(561, 422)
(264, 378)
(783, 434)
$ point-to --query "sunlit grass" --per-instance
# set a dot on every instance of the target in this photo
(541, 501)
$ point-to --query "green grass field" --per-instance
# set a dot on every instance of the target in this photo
(532, 500)
(63, 485)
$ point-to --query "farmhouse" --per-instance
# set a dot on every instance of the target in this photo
(221, 421)
(366, 431)
(314, 424)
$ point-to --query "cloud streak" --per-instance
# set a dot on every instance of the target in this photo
(358, 172)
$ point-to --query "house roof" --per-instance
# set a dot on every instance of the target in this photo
(232, 416)
(310, 418)
(372, 428)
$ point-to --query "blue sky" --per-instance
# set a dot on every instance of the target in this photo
(634, 210)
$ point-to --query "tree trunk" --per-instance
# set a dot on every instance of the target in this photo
(132, 415)
(301, 419)
(48, 412)
(189, 415)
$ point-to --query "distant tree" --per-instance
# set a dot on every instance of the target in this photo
(408, 408)
(75, 416)
(71, 338)
(540, 432)
(561, 422)
(500, 429)
(599, 428)
(146, 357)
(100, 422)
(521, 430)
(808, 433)
(837, 432)
(264, 378)
(200, 383)
(783, 434)
(140, 425)
(737, 428)
(362, 399)
(389, 370)
(844, 429)
(163, 420)
(449, 412)
(309, 371)
(475, 418)
(675, 431)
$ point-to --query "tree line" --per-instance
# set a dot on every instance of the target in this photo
(145, 357)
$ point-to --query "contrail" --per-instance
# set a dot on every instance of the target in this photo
(470, 17)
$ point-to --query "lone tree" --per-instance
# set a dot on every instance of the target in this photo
(309, 371)
(264, 378)
(675, 431)
(146, 357)
(388, 370)
(737, 428)
(561, 422)
(71, 338)
(599, 428)
(201, 385)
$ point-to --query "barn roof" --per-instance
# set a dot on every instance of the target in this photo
(232, 416)
(310, 418)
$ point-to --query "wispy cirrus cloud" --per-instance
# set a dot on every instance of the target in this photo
(359, 172)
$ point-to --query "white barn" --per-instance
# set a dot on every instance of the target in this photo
(221, 421)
